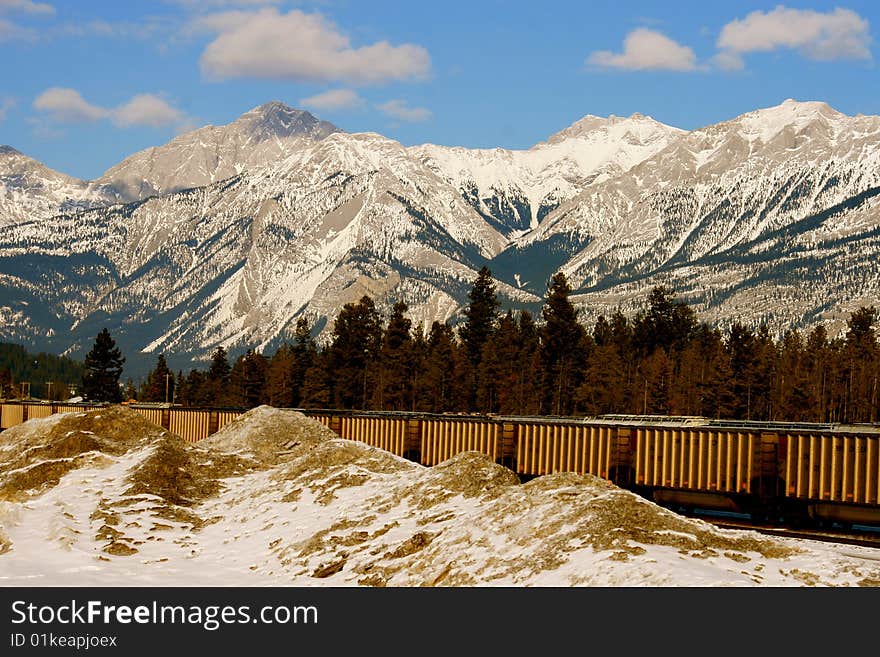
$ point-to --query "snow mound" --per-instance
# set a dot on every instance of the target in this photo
(275, 498)
(36, 454)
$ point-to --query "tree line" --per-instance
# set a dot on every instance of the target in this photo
(46, 376)
(660, 361)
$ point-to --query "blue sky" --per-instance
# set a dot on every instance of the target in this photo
(86, 83)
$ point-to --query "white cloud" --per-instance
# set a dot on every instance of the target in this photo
(838, 34)
(148, 110)
(5, 105)
(333, 99)
(11, 31)
(201, 5)
(728, 61)
(398, 109)
(27, 6)
(646, 50)
(68, 105)
(302, 47)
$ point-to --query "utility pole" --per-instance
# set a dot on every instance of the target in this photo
(49, 391)
(166, 387)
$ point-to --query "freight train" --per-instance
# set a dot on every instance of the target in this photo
(783, 472)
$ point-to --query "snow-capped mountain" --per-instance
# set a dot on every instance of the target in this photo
(236, 262)
(239, 230)
(515, 190)
(31, 190)
(263, 135)
(752, 217)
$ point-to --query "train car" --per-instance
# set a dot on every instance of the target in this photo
(779, 471)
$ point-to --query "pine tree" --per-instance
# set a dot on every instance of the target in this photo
(497, 372)
(353, 353)
(130, 391)
(220, 369)
(317, 389)
(481, 314)
(860, 366)
(215, 389)
(6, 388)
(279, 378)
(563, 345)
(395, 362)
(665, 324)
(159, 386)
(180, 391)
(527, 400)
(103, 367)
(304, 353)
(248, 378)
(439, 381)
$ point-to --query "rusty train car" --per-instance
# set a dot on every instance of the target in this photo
(778, 471)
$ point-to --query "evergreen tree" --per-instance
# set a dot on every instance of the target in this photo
(498, 375)
(528, 397)
(418, 353)
(317, 388)
(602, 390)
(215, 388)
(6, 388)
(563, 347)
(860, 366)
(304, 353)
(198, 390)
(159, 386)
(180, 391)
(279, 378)
(481, 315)
(818, 366)
(393, 391)
(743, 349)
(219, 369)
(438, 390)
(665, 324)
(248, 378)
(103, 367)
(353, 352)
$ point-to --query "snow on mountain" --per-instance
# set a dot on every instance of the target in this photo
(515, 190)
(263, 135)
(771, 216)
(275, 498)
(691, 213)
(31, 190)
(236, 262)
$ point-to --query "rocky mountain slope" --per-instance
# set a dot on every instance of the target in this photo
(30, 190)
(264, 135)
(771, 216)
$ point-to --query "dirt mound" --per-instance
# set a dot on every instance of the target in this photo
(36, 454)
(265, 434)
(470, 473)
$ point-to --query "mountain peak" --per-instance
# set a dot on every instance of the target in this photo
(766, 123)
(9, 150)
(590, 124)
(276, 119)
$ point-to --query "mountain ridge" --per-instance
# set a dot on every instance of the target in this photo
(317, 217)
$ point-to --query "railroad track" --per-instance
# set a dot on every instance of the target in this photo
(865, 538)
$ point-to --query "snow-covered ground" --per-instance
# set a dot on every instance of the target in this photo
(107, 498)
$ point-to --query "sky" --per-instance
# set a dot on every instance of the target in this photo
(85, 83)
